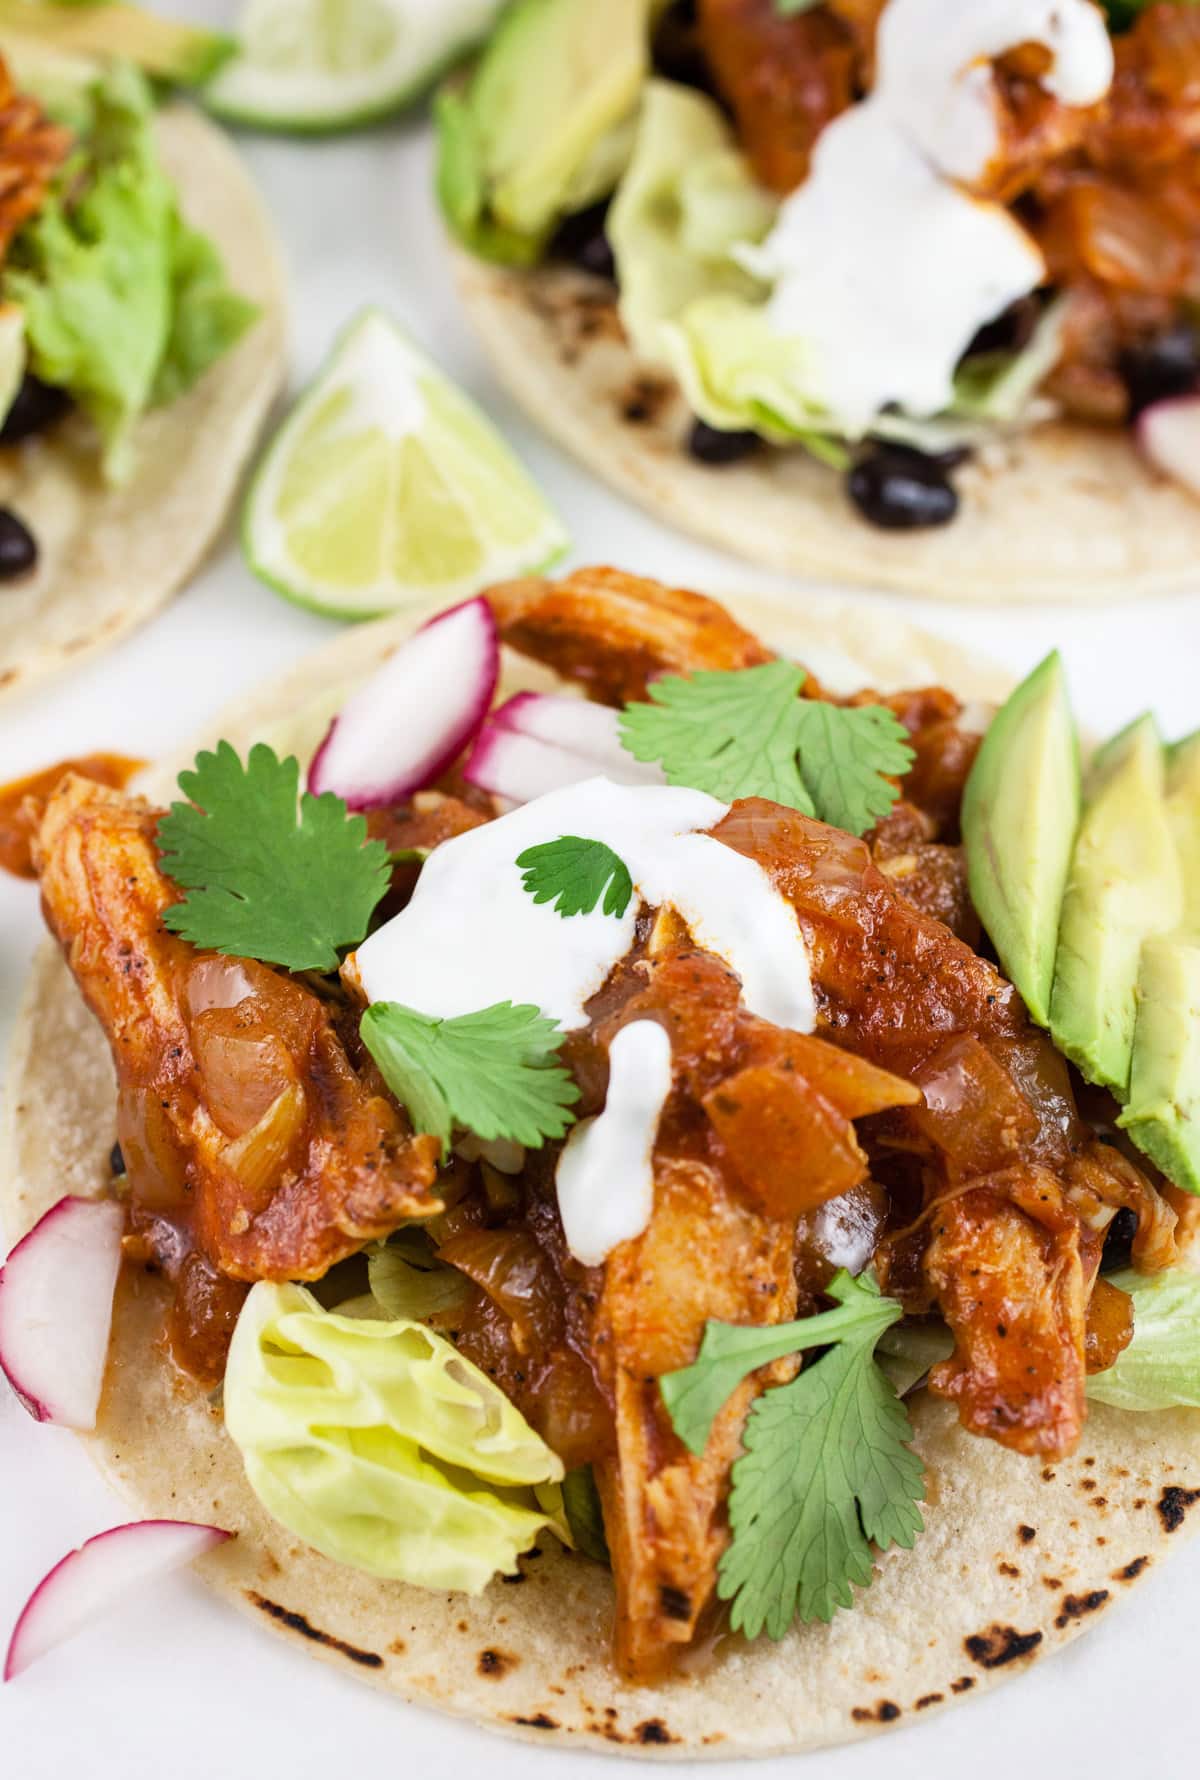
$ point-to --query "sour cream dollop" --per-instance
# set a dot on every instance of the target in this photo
(605, 1174)
(881, 263)
(473, 935)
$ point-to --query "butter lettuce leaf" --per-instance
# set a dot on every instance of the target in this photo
(1160, 1369)
(378, 1444)
(124, 304)
(686, 199)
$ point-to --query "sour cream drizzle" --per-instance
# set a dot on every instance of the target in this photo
(882, 264)
(472, 935)
(605, 1174)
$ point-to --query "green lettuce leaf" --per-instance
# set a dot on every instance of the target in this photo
(1160, 1369)
(380, 1445)
(686, 198)
(407, 1279)
(124, 304)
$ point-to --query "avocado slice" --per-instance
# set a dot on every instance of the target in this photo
(1019, 816)
(1124, 887)
(544, 125)
(1183, 812)
(1163, 1113)
(186, 55)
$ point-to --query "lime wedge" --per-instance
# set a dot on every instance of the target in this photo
(386, 486)
(317, 65)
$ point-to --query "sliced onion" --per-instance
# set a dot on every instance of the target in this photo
(1169, 434)
(56, 1298)
(403, 728)
(87, 1582)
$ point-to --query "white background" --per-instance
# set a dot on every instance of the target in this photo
(177, 1685)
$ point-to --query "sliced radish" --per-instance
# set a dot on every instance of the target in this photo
(56, 1299)
(1169, 434)
(520, 768)
(403, 728)
(87, 1582)
(574, 724)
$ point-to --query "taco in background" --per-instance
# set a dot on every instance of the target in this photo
(847, 291)
(141, 342)
(597, 1219)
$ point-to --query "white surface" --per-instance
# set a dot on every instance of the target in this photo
(179, 1686)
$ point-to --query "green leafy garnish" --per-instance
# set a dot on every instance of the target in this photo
(827, 1467)
(574, 873)
(496, 1072)
(1160, 1369)
(271, 875)
(746, 732)
(585, 1517)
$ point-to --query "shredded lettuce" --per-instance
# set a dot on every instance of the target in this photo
(381, 1446)
(407, 1280)
(1160, 1369)
(124, 304)
(686, 198)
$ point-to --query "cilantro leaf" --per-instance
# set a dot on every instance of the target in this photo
(727, 732)
(827, 1467)
(747, 732)
(845, 751)
(263, 878)
(496, 1072)
(574, 874)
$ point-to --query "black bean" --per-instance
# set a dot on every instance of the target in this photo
(1009, 331)
(901, 490)
(583, 240)
(1118, 1241)
(18, 550)
(1166, 365)
(710, 445)
(116, 1160)
(36, 407)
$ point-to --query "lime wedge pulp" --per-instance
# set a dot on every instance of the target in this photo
(386, 486)
(317, 65)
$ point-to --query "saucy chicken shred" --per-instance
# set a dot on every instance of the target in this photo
(925, 1128)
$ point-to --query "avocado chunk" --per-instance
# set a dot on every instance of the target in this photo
(1163, 1113)
(1019, 816)
(1123, 888)
(170, 50)
(1183, 812)
(545, 123)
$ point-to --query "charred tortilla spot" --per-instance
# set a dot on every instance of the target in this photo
(652, 1730)
(882, 1712)
(397, 1647)
(495, 1664)
(541, 1721)
(296, 1622)
(643, 400)
(999, 1645)
(1132, 1570)
(1075, 1606)
(1026, 1534)
(1008, 1569)
(1173, 1505)
(963, 1684)
(929, 1699)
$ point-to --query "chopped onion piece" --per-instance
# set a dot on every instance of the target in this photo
(87, 1582)
(401, 729)
(56, 1298)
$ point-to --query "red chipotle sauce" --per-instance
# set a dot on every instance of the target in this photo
(23, 801)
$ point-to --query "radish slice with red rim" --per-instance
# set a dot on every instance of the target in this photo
(87, 1582)
(594, 731)
(1169, 435)
(56, 1299)
(400, 730)
(520, 768)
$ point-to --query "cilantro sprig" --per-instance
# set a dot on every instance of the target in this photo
(747, 732)
(826, 1470)
(269, 874)
(496, 1072)
(575, 873)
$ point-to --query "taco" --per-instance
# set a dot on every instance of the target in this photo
(141, 343)
(845, 291)
(670, 1207)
